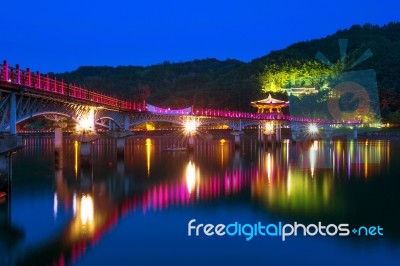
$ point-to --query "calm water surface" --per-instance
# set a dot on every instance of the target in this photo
(135, 210)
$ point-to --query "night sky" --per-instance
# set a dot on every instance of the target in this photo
(58, 36)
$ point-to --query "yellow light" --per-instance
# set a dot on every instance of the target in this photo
(192, 176)
(148, 155)
(269, 167)
(76, 147)
(150, 127)
(313, 158)
(312, 128)
(289, 182)
(222, 142)
(86, 210)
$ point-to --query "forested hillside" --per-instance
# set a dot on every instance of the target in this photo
(232, 84)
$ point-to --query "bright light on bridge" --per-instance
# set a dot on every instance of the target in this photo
(190, 126)
(86, 123)
(312, 129)
(269, 128)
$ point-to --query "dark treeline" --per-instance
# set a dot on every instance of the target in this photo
(232, 84)
(207, 83)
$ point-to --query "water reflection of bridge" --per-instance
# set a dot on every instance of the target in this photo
(297, 178)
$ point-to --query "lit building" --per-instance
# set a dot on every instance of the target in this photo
(300, 91)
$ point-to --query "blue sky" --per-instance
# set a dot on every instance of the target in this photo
(60, 36)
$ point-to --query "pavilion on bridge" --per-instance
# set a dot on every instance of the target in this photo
(271, 104)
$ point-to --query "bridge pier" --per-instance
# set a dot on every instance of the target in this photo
(260, 135)
(352, 135)
(8, 144)
(121, 141)
(295, 132)
(236, 135)
(269, 143)
(85, 152)
(328, 133)
(120, 147)
(85, 149)
(355, 133)
(85, 146)
(190, 144)
(126, 122)
(278, 133)
(237, 141)
(58, 138)
(111, 125)
(13, 114)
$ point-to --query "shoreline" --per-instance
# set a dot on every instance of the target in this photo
(217, 134)
(381, 135)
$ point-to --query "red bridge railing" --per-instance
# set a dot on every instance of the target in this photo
(265, 116)
(257, 116)
(239, 114)
(43, 83)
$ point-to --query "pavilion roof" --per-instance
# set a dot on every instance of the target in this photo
(269, 101)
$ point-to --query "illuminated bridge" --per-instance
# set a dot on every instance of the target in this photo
(26, 94)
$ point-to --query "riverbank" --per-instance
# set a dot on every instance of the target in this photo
(392, 133)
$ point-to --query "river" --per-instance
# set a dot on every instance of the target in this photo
(135, 208)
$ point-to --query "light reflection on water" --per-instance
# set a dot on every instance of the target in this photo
(306, 181)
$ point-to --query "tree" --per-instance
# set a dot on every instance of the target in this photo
(295, 73)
